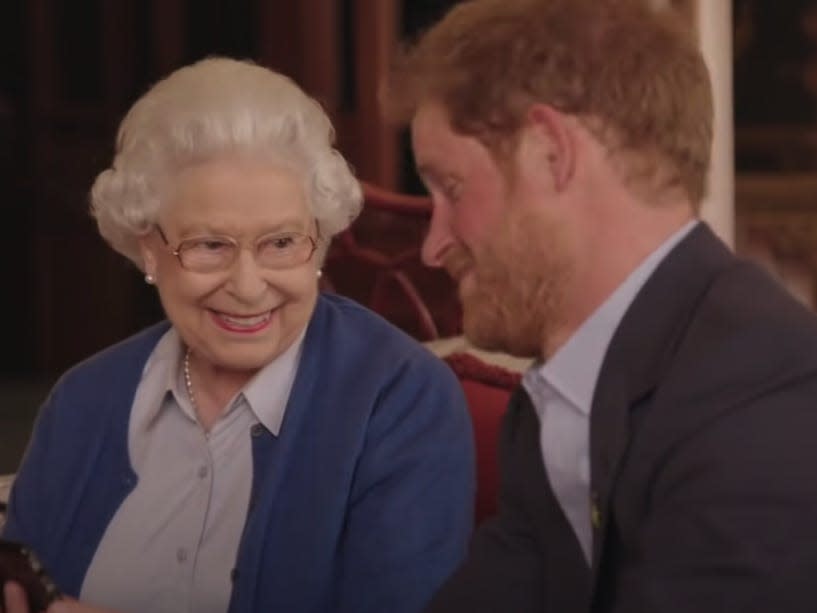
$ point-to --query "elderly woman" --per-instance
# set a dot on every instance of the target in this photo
(269, 448)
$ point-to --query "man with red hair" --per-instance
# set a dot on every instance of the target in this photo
(659, 456)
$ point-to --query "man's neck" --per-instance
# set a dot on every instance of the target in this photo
(608, 257)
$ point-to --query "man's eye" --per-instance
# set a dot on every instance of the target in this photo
(452, 191)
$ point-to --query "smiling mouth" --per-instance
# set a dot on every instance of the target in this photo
(242, 323)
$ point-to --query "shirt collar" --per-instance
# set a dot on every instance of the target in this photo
(164, 367)
(267, 393)
(573, 370)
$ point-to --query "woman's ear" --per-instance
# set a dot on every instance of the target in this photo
(550, 133)
(149, 259)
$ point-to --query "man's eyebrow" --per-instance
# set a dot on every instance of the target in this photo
(429, 174)
(426, 171)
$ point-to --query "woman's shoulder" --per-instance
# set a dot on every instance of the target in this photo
(353, 342)
(358, 355)
(102, 384)
(344, 323)
(115, 364)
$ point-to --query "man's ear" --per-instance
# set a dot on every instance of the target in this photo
(549, 133)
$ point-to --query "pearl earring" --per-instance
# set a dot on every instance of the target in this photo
(319, 273)
(150, 279)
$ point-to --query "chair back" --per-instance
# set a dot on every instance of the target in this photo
(377, 263)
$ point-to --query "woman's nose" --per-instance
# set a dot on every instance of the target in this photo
(247, 279)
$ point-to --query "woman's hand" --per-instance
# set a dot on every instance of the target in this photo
(14, 598)
(16, 602)
(69, 605)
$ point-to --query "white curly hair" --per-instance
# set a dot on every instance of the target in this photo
(219, 106)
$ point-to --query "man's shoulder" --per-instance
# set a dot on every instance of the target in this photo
(745, 301)
(707, 296)
(711, 332)
(748, 343)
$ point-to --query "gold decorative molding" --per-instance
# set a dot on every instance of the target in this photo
(776, 219)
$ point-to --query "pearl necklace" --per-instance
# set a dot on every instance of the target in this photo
(188, 383)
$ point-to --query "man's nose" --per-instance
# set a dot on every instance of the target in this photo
(438, 240)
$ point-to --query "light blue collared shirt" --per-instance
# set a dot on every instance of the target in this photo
(172, 544)
(562, 394)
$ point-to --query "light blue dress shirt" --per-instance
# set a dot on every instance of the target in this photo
(562, 394)
(172, 544)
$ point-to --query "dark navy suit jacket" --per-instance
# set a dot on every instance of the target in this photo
(703, 461)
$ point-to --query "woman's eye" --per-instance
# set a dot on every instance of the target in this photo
(207, 245)
(213, 245)
(279, 243)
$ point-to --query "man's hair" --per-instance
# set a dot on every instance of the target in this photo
(633, 75)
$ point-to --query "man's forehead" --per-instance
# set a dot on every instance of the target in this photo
(429, 172)
(430, 114)
(431, 136)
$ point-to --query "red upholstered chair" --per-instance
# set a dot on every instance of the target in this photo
(487, 389)
(377, 262)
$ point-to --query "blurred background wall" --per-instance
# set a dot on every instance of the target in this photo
(69, 69)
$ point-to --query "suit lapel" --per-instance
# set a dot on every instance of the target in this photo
(527, 486)
(639, 352)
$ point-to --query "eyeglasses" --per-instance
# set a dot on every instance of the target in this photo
(277, 251)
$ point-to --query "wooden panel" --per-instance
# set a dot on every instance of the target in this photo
(305, 40)
(279, 36)
(777, 227)
(376, 27)
(320, 51)
(82, 296)
(169, 34)
(40, 52)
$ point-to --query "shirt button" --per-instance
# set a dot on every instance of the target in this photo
(257, 430)
(181, 555)
(203, 472)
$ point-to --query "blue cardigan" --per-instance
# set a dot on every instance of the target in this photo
(362, 503)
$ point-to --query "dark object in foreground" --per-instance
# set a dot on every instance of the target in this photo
(18, 563)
